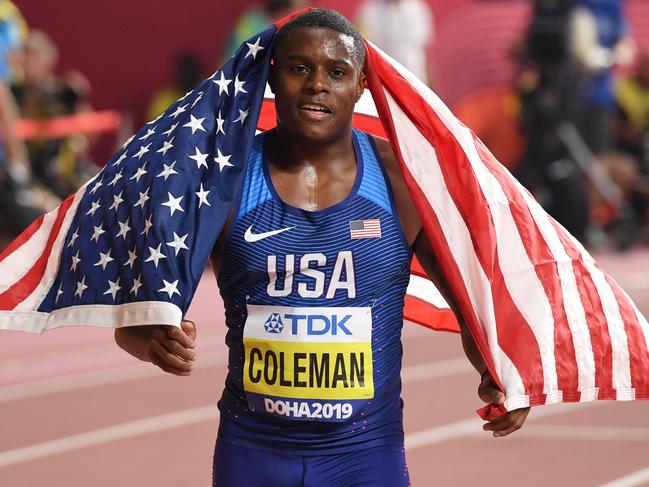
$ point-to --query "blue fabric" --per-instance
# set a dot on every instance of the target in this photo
(238, 466)
(380, 265)
(611, 27)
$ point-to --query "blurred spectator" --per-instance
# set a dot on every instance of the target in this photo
(547, 88)
(633, 102)
(187, 73)
(19, 204)
(404, 29)
(598, 42)
(59, 164)
(256, 19)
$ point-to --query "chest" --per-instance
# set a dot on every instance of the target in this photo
(326, 259)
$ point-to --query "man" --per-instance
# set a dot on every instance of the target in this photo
(313, 267)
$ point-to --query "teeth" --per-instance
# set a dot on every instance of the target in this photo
(317, 109)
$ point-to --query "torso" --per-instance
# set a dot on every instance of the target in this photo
(315, 355)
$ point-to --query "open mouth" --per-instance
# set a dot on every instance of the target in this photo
(310, 107)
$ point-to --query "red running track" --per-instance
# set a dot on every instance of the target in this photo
(77, 411)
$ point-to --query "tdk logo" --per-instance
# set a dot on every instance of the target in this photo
(318, 324)
(274, 324)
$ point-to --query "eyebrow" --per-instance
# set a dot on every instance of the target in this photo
(297, 57)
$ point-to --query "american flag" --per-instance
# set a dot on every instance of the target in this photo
(365, 228)
(130, 247)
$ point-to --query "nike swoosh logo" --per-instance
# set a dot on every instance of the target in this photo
(255, 237)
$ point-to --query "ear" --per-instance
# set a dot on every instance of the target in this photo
(360, 88)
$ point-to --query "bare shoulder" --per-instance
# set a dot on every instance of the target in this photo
(407, 212)
(386, 153)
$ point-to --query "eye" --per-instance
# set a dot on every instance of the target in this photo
(298, 68)
(337, 73)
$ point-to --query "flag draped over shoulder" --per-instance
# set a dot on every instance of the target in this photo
(129, 247)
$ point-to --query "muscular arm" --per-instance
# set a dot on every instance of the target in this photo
(428, 261)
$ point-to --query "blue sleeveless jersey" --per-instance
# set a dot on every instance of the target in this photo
(314, 310)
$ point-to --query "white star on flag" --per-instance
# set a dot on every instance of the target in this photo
(198, 98)
(144, 197)
(167, 171)
(219, 124)
(95, 206)
(166, 145)
(149, 133)
(178, 243)
(75, 262)
(75, 236)
(155, 255)
(174, 203)
(58, 293)
(253, 49)
(238, 86)
(136, 285)
(195, 124)
(113, 287)
(121, 158)
(173, 127)
(81, 287)
(117, 177)
(104, 259)
(95, 187)
(131, 258)
(128, 141)
(222, 160)
(147, 226)
(200, 158)
(98, 231)
(141, 171)
(143, 150)
(223, 84)
(117, 200)
(170, 288)
(202, 197)
(242, 116)
(179, 110)
(123, 229)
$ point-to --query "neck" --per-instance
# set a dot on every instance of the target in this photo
(289, 151)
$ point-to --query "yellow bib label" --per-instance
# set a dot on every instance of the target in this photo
(308, 353)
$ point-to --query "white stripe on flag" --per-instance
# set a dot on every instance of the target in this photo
(421, 161)
(518, 271)
(14, 267)
(34, 300)
(424, 289)
(571, 298)
(619, 343)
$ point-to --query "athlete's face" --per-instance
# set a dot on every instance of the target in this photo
(316, 82)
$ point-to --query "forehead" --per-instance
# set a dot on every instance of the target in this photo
(316, 42)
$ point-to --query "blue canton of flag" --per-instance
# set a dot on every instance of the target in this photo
(145, 225)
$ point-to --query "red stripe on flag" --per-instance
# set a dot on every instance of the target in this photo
(473, 207)
(638, 353)
(17, 293)
(547, 271)
(429, 218)
(427, 314)
(23, 237)
(595, 317)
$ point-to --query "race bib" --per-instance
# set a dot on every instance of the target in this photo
(308, 363)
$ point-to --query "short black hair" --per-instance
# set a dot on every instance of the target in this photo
(326, 19)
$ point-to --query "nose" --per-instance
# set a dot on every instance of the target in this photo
(317, 81)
